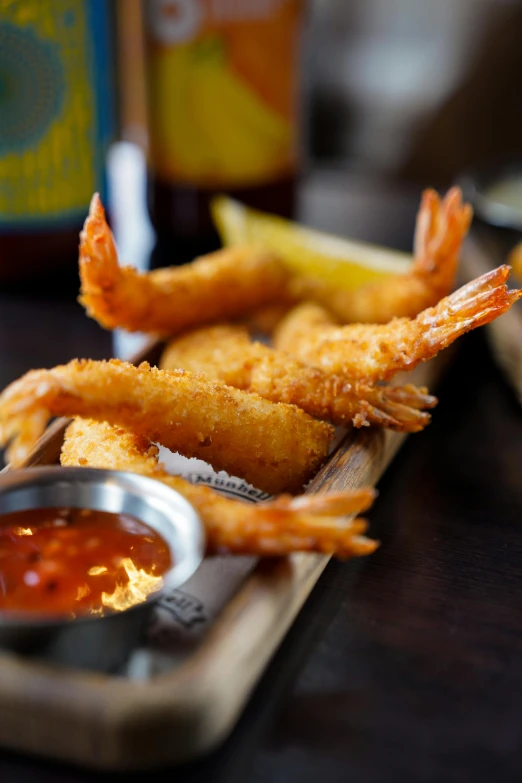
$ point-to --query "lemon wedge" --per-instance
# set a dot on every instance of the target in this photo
(309, 253)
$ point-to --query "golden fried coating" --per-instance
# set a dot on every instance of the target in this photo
(374, 352)
(225, 353)
(224, 284)
(278, 527)
(440, 229)
(276, 447)
(236, 281)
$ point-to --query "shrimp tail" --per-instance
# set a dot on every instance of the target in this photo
(412, 396)
(334, 504)
(100, 272)
(475, 304)
(440, 229)
(397, 408)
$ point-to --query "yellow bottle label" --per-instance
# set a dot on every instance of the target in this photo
(222, 78)
(55, 118)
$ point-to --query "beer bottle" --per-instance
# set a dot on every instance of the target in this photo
(56, 121)
(222, 78)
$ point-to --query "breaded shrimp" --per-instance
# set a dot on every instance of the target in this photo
(235, 281)
(224, 284)
(278, 527)
(374, 352)
(440, 229)
(225, 353)
(276, 447)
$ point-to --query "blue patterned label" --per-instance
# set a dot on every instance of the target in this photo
(56, 112)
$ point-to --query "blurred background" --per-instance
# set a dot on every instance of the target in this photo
(391, 96)
(380, 77)
(394, 96)
(385, 78)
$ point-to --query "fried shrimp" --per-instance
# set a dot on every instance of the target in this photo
(225, 353)
(278, 527)
(224, 284)
(440, 229)
(235, 281)
(373, 352)
(276, 447)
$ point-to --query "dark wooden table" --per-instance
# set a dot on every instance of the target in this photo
(408, 667)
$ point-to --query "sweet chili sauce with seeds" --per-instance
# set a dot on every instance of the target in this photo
(71, 561)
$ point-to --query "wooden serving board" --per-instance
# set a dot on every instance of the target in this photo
(113, 723)
(481, 254)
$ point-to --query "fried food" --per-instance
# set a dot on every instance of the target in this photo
(276, 447)
(225, 353)
(374, 352)
(225, 284)
(265, 319)
(235, 281)
(440, 229)
(278, 527)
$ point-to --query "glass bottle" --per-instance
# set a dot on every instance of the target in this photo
(56, 122)
(222, 80)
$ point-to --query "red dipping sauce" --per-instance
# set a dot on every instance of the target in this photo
(71, 561)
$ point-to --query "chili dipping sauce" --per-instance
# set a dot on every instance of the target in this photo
(72, 561)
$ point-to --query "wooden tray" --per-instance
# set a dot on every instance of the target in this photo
(481, 254)
(110, 722)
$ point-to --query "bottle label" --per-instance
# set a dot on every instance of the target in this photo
(55, 110)
(222, 78)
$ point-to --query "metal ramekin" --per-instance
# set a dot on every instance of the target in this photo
(101, 643)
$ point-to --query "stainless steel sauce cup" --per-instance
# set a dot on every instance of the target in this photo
(99, 642)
